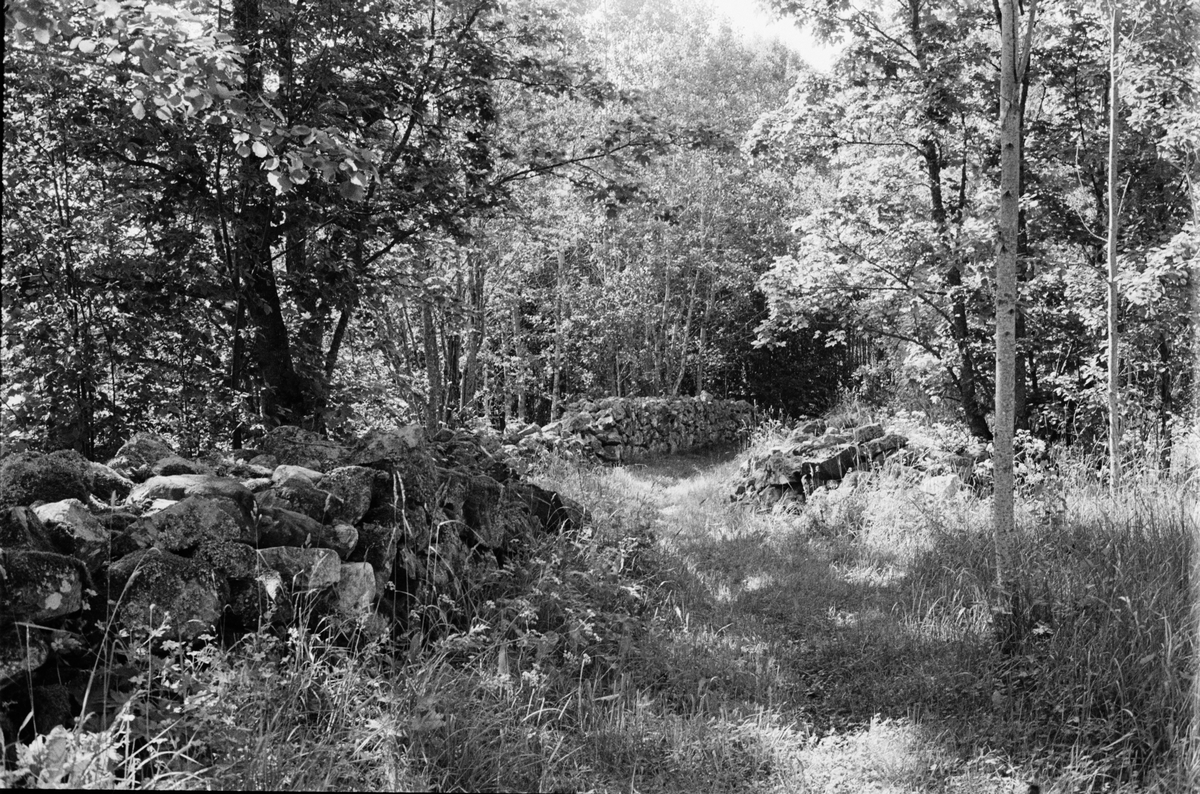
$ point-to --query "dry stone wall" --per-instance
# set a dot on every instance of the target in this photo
(228, 542)
(621, 429)
(815, 457)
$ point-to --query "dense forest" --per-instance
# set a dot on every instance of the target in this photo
(221, 219)
(312, 253)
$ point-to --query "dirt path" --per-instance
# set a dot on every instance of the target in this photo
(822, 643)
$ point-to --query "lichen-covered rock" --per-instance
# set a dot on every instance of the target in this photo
(106, 483)
(180, 486)
(305, 570)
(342, 538)
(76, 531)
(301, 496)
(355, 590)
(352, 486)
(20, 528)
(29, 477)
(378, 545)
(260, 600)
(286, 474)
(383, 447)
(22, 651)
(137, 456)
(184, 526)
(175, 464)
(39, 585)
(234, 560)
(154, 588)
(299, 447)
(278, 526)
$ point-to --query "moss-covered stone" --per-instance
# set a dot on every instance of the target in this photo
(40, 585)
(20, 528)
(137, 456)
(184, 526)
(105, 483)
(154, 588)
(29, 477)
(352, 486)
(22, 651)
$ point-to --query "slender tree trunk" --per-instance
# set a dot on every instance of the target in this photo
(555, 389)
(1114, 299)
(522, 373)
(687, 332)
(1006, 315)
(433, 367)
(476, 317)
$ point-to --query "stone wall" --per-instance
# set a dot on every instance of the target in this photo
(620, 429)
(819, 458)
(227, 542)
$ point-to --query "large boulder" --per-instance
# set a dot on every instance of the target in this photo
(380, 448)
(29, 477)
(39, 585)
(155, 589)
(185, 526)
(260, 600)
(76, 531)
(22, 651)
(378, 545)
(20, 528)
(354, 592)
(106, 483)
(175, 464)
(137, 456)
(305, 570)
(301, 496)
(352, 486)
(293, 445)
(180, 486)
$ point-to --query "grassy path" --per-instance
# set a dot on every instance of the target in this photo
(811, 648)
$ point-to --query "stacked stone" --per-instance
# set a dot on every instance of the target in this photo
(812, 456)
(620, 429)
(155, 543)
(815, 456)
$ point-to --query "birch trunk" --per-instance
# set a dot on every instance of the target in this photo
(1114, 209)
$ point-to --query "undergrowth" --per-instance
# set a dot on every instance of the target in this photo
(681, 643)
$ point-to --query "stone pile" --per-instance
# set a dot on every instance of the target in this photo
(622, 429)
(155, 543)
(816, 457)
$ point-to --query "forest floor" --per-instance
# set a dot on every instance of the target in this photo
(843, 655)
(812, 653)
(681, 643)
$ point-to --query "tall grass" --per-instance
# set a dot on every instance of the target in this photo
(681, 643)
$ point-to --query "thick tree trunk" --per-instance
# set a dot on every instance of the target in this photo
(282, 395)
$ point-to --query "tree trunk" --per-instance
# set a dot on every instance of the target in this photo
(433, 367)
(1007, 626)
(282, 394)
(476, 317)
(556, 386)
(1114, 305)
